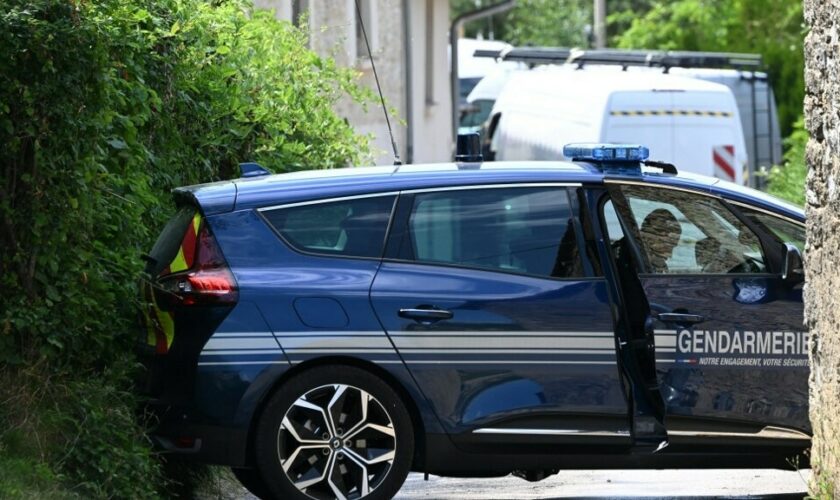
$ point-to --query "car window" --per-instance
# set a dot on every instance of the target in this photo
(785, 230)
(353, 228)
(521, 230)
(683, 233)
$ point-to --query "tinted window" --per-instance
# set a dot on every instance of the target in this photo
(684, 233)
(350, 227)
(785, 230)
(522, 230)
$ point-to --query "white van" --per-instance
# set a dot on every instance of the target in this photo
(691, 123)
(757, 106)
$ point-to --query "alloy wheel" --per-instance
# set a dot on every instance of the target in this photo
(336, 442)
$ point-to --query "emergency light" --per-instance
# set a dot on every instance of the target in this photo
(606, 152)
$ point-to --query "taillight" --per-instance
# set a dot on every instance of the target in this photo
(208, 282)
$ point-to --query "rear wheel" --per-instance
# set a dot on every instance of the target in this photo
(334, 432)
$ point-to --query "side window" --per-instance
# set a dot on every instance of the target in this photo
(522, 230)
(352, 228)
(785, 230)
(682, 233)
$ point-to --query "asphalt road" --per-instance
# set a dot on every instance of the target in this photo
(615, 484)
(660, 484)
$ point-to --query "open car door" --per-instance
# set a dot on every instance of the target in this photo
(731, 356)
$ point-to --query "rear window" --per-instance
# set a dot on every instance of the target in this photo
(169, 242)
(350, 228)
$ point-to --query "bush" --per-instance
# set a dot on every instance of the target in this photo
(104, 108)
(788, 180)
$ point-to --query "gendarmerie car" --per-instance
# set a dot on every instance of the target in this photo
(326, 332)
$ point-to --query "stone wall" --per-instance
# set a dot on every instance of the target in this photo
(822, 254)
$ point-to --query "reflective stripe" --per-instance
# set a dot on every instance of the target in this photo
(166, 325)
(514, 333)
(597, 352)
(504, 343)
(247, 343)
(241, 352)
(671, 112)
(368, 342)
(724, 160)
(666, 341)
(242, 334)
(215, 363)
(178, 263)
(552, 432)
(502, 362)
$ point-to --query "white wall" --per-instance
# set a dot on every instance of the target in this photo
(431, 101)
(332, 28)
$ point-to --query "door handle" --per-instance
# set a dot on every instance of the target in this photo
(425, 314)
(680, 318)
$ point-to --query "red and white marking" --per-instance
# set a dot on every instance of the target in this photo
(724, 160)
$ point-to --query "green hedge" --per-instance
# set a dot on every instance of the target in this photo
(105, 106)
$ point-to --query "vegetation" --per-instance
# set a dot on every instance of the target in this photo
(787, 181)
(104, 107)
(552, 23)
(772, 28)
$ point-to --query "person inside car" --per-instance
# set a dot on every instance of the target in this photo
(660, 234)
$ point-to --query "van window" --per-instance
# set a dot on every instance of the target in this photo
(351, 228)
(520, 230)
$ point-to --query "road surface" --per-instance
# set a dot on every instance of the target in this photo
(660, 484)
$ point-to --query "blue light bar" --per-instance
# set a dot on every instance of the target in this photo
(606, 152)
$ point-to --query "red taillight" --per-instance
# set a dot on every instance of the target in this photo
(208, 282)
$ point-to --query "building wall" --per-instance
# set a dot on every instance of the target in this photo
(822, 251)
(431, 100)
(425, 116)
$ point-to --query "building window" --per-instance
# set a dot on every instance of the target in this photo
(299, 8)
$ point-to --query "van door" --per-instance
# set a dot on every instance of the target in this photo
(707, 136)
(642, 118)
(731, 354)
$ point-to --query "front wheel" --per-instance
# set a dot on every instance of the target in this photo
(334, 432)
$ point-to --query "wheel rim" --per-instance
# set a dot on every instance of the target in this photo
(336, 441)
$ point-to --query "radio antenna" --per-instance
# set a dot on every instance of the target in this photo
(378, 86)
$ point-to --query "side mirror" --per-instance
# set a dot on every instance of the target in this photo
(793, 272)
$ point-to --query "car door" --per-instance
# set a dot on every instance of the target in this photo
(731, 350)
(498, 315)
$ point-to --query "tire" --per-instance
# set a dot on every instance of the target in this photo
(304, 449)
(253, 482)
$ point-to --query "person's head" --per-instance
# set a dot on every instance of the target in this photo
(660, 233)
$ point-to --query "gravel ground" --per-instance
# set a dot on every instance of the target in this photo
(635, 484)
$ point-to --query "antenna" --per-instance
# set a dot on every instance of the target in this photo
(378, 86)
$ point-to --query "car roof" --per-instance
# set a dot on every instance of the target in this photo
(307, 185)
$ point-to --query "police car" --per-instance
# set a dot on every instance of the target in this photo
(326, 332)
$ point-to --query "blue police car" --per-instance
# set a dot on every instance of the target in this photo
(324, 333)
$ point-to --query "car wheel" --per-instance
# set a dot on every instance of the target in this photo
(252, 481)
(334, 432)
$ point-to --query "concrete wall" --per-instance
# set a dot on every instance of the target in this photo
(822, 290)
(421, 125)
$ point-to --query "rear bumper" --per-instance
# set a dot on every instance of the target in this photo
(178, 432)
